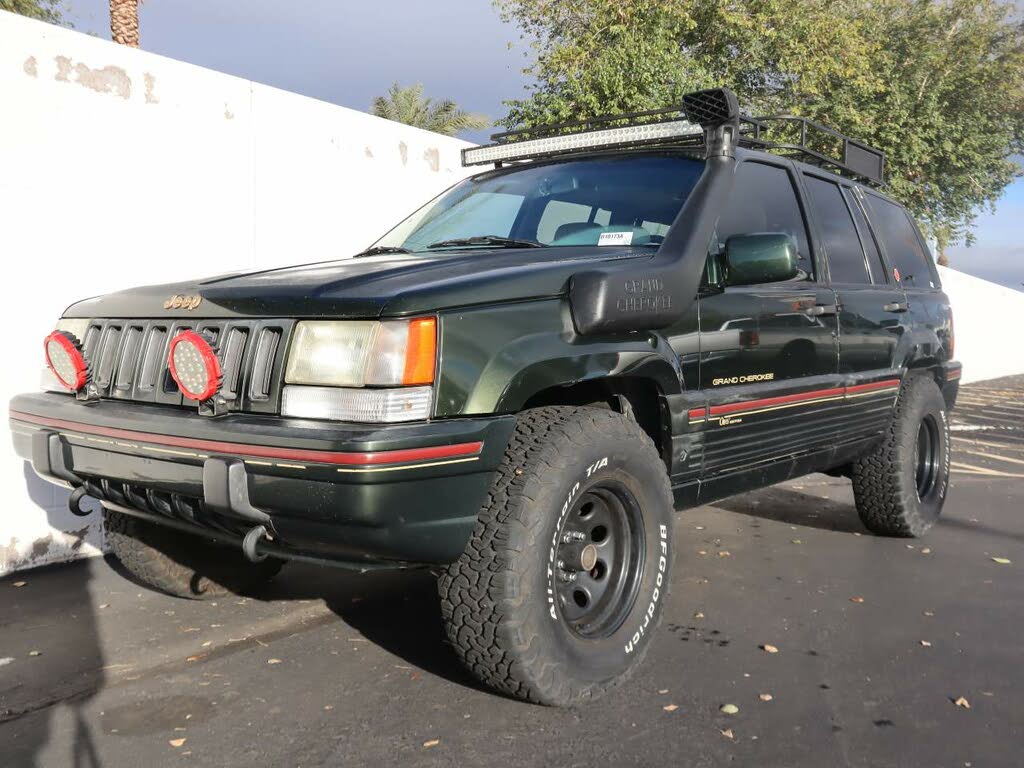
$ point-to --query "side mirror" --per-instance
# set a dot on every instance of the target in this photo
(760, 258)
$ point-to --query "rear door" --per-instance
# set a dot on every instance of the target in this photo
(768, 353)
(870, 302)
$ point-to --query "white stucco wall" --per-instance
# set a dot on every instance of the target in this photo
(986, 320)
(119, 167)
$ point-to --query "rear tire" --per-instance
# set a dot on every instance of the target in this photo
(900, 486)
(562, 584)
(182, 564)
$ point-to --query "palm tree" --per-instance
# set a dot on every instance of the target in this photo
(409, 105)
(124, 22)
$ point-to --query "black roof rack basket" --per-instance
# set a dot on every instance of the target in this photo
(815, 144)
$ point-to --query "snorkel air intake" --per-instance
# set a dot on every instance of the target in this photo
(654, 293)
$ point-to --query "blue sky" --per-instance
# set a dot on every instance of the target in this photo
(348, 51)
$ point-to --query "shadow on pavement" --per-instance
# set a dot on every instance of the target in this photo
(794, 508)
(397, 610)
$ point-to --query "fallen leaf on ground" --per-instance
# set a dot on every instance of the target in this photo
(769, 649)
(431, 743)
(197, 657)
(663, 691)
(727, 733)
(699, 527)
(926, 644)
(702, 552)
(765, 697)
(929, 613)
(962, 702)
(725, 553)
(273, 661)
(795, 541)
(20, 583)
(728, 709)
(35, 653)
(177, 742)
(926, 551)
(328, 707)
(104, 605)
(856, 599)
(670, 707)
(698, 615)
(1001, 560)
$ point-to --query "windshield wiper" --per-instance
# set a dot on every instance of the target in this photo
(501, 242)
(377, 250)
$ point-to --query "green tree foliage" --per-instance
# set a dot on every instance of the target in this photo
(937, 84)
(408, 105)
(44, 10)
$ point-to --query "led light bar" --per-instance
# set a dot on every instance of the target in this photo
(647, 133)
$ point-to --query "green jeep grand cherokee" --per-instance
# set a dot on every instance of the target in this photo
(519, 383)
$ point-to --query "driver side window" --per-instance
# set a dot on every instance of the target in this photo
(763, 200)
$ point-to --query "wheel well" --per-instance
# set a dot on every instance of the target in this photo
(638, 398)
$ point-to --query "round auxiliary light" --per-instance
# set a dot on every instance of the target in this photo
(64, 357)
(194, 366)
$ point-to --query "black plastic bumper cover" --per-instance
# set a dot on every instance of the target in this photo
(404, 493)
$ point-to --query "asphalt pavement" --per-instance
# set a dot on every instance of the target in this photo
(889, 652)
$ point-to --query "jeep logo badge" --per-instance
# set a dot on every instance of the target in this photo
(183, 302)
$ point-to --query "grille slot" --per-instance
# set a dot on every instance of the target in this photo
(128, 359)
(263, 364)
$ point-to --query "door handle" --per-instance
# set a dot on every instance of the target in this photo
(896, 306)
(822, 309)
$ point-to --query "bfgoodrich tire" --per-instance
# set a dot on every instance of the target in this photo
(900, 486)
(562, 584)
(181, 564)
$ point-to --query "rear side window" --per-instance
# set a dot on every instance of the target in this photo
(901, 243)
(842, 246)
(763, 200)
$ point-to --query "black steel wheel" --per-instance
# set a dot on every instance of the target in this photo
(600, 559)
(926, 457)
(565, 577)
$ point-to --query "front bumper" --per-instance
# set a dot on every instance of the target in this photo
(354, 494)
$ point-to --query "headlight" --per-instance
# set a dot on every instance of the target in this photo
(333, 364)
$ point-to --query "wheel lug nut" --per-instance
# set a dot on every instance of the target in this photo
(571, 536)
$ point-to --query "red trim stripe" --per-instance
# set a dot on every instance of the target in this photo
(346, 458)
(794, 399)
(767, 402)
(887, 384)
(954, 374)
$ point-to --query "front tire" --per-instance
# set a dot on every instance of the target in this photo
(182, 564)
(562, 584)
(900, 486)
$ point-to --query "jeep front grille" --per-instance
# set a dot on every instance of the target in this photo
(128, 359)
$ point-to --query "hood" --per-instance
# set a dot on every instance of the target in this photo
(367, 287)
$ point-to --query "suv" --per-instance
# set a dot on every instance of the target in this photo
(520, 382)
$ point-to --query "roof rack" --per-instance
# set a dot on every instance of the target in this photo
(795, 137)
(815, 144)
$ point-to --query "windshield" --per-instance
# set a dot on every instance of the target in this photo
(624, 200)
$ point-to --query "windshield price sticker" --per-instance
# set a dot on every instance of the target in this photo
(615, 238)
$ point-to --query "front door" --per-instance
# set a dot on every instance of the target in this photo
(768, 353)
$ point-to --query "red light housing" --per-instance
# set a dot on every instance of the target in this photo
(194, 366)
(64, 357)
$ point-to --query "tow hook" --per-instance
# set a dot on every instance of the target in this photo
(252, 538)
(74, 502)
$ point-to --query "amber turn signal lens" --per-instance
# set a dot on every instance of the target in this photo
(421, 351)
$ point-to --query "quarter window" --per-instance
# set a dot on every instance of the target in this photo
(879, 274)
(763, 200)
(839, 235)
(901, 242)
